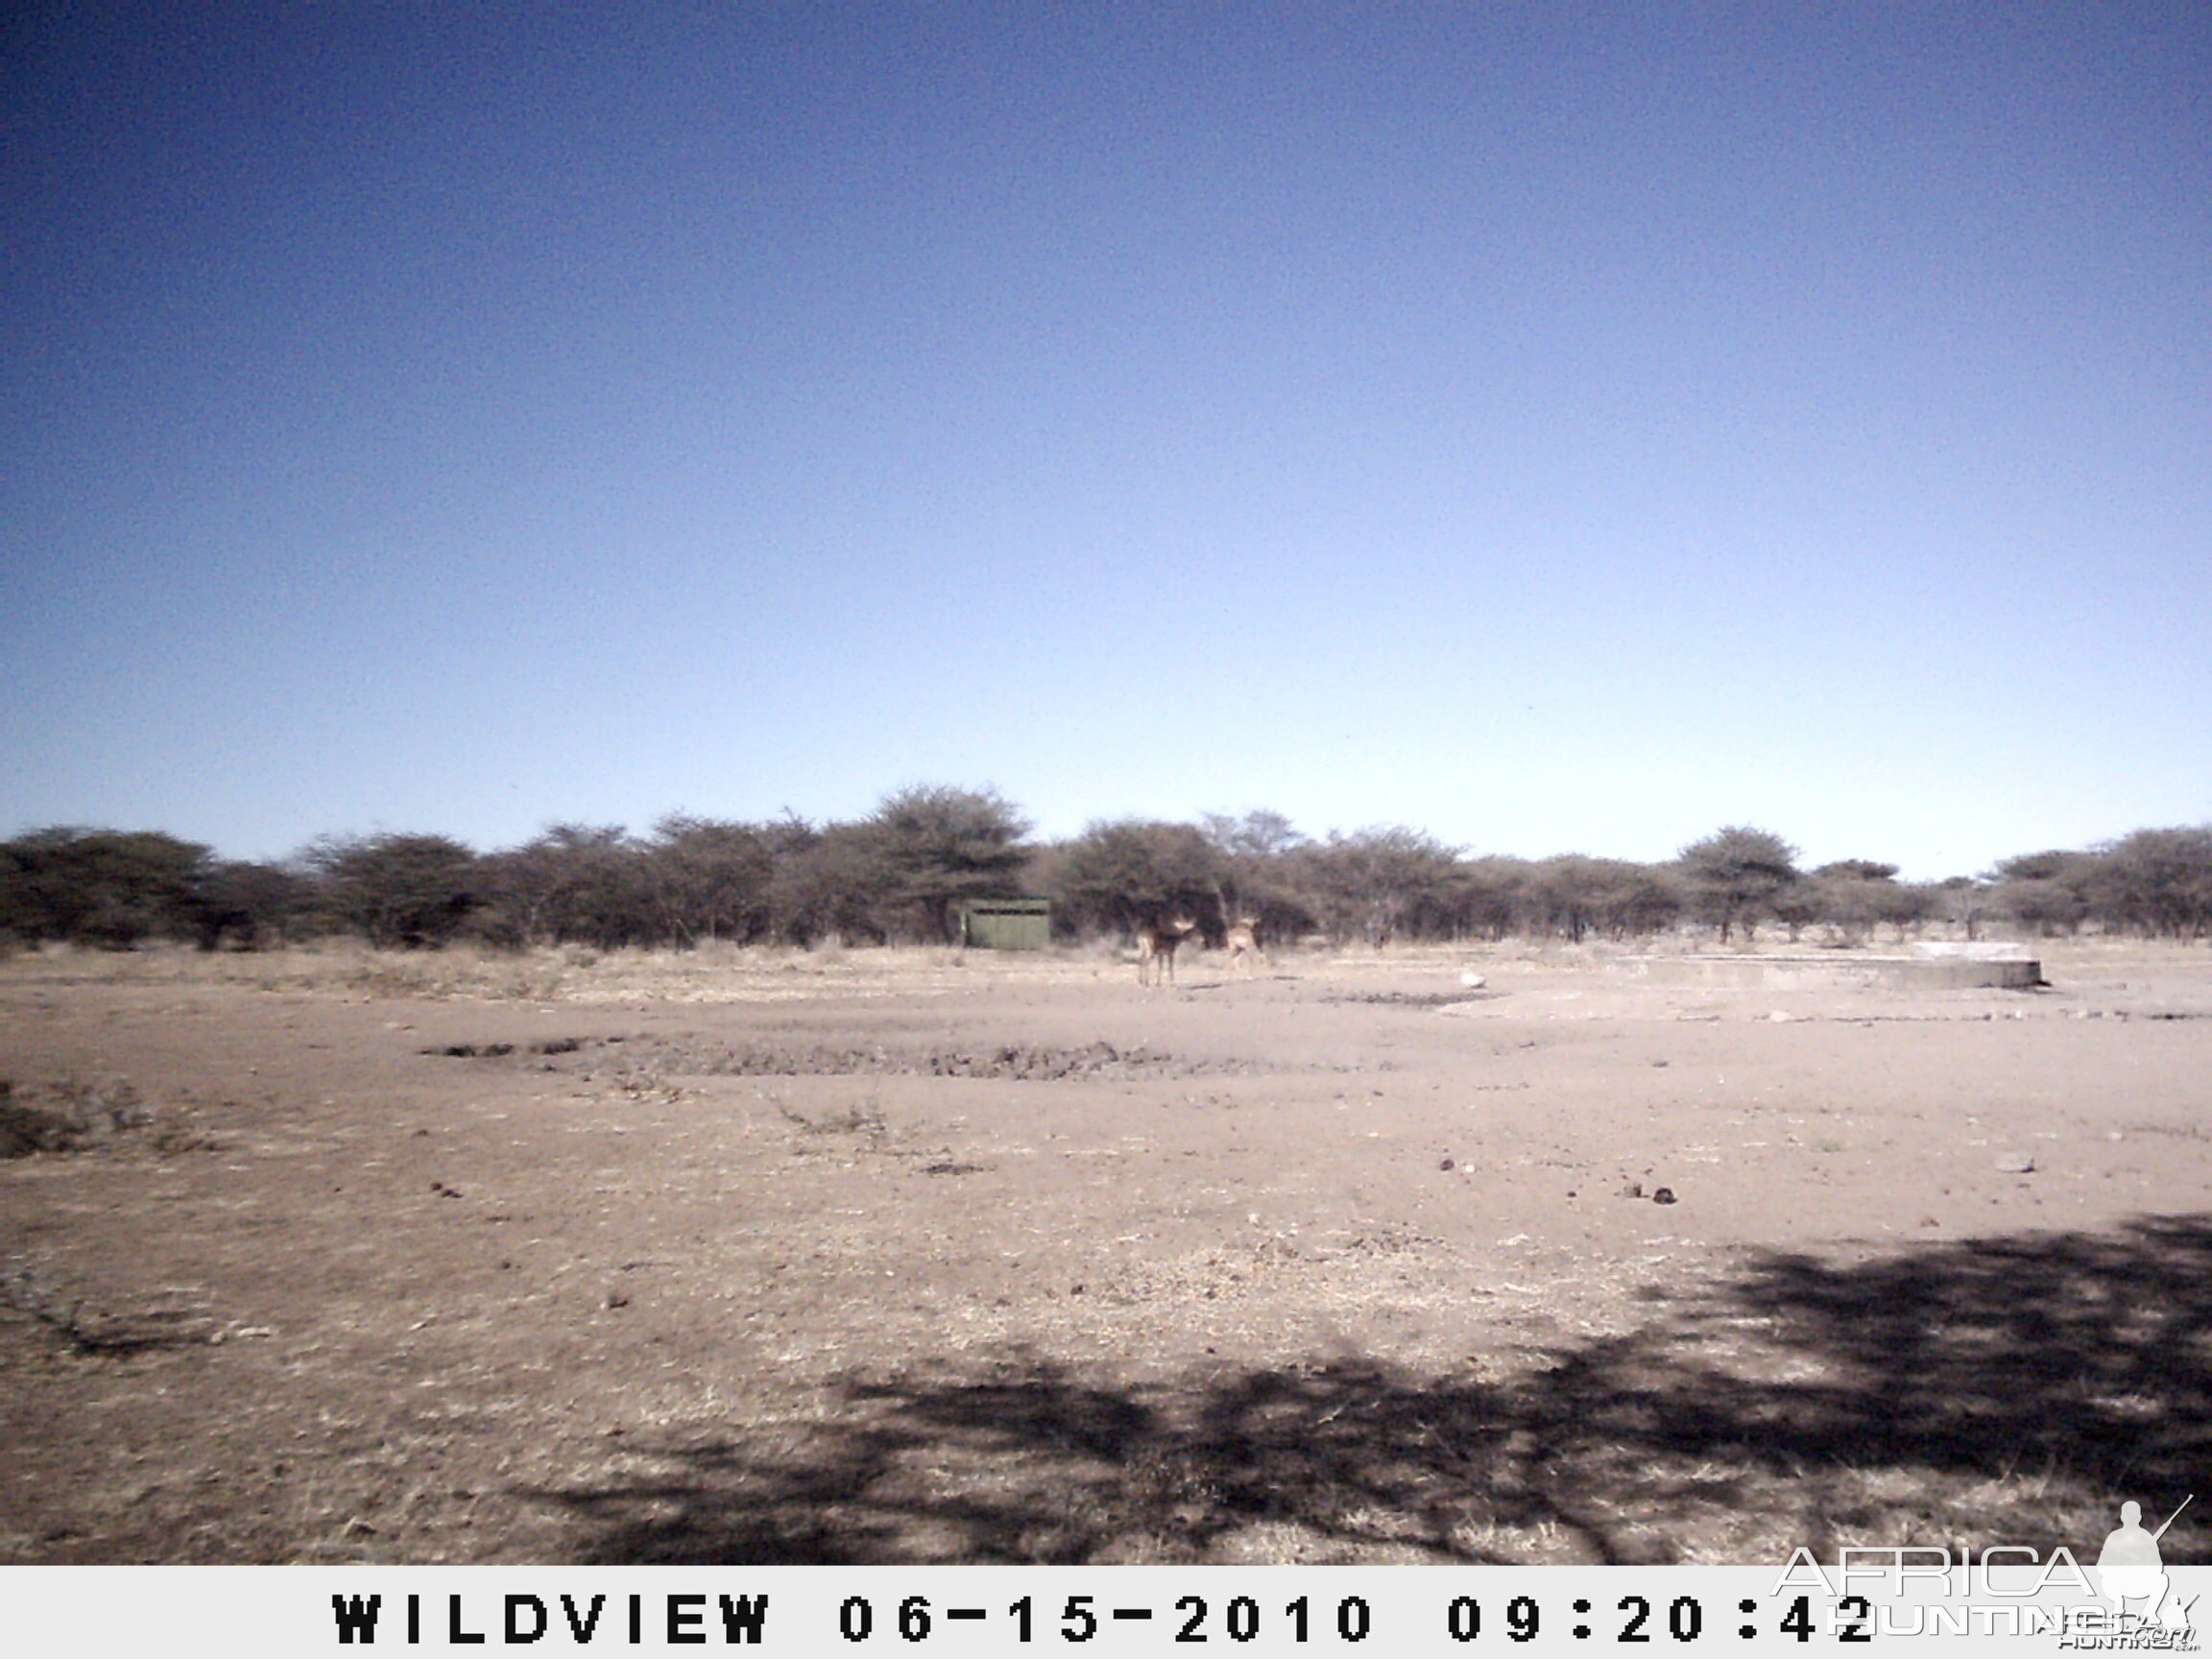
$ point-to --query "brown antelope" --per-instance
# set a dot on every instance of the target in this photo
(1243, 943)
(1156, 944)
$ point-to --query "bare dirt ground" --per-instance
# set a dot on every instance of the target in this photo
(886, 1257)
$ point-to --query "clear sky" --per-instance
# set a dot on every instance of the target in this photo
(1554, 428)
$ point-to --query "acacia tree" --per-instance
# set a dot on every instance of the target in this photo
(1643, 899)
(937, 846)
(1253, 853)
(574, 884)
(1903, 905)
(1735, 874)
(399, 890)
(711, 880)
(255, 904)
(1490, 897)
(1118, 877)
(829, 884)
(1797, 906)
(1378, 882)
(111, 887)
(1565, 894)
(1573, 895)
(2048, 892)
(2157, 881)
(1840, 894)
(1963, 902)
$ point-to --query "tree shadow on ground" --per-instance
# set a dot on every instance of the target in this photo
(2009, 1390)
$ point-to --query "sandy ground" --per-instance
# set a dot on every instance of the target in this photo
(887, 1257)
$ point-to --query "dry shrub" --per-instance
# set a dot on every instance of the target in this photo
(68, 1116)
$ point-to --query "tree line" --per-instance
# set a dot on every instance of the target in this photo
(901, 875)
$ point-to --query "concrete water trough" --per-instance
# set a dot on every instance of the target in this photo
(1930, 968)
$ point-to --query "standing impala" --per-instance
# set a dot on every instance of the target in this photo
(1156, 943)
(1243, 943)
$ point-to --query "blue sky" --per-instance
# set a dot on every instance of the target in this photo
(1553, 427)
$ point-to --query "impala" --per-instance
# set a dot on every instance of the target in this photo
(1156, 944)
(1243, 943)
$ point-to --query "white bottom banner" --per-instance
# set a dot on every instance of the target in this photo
(1890, 1596)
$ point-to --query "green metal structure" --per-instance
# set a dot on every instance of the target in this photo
(1006, 924)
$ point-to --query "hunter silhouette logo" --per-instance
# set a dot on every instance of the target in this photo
(2127, 1603)
(2130, 1569)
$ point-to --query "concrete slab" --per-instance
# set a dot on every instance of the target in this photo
(1827, 973)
